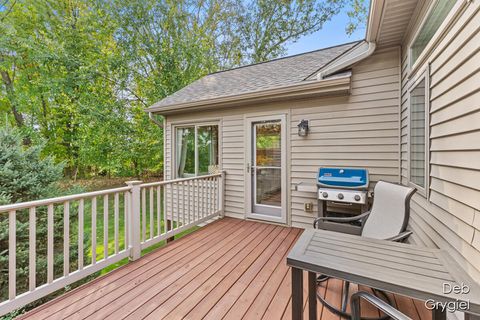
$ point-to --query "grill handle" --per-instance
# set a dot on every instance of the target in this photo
(343, 203)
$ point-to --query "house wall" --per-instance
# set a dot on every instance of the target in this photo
(360, 129)
(448, 216)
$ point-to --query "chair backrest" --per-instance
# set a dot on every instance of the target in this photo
(390, 211)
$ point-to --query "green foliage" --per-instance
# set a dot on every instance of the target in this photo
(77, 74)
(24, 175)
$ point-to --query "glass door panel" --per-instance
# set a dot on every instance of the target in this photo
(267, 168)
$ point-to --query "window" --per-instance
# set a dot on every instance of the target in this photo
(418, 134)
(432, 23)
(196, 150)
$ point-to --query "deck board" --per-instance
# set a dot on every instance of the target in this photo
(229, 269)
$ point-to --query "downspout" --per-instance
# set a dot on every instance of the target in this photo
(160, 125)
(150, 115)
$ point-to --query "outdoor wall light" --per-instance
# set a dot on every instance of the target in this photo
(303, 128)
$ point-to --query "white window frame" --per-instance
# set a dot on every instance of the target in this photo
(422, 75)
(436, 37)
(196, 125)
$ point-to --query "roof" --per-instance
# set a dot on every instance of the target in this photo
(260, 76)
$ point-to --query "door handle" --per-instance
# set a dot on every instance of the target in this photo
(249, 167)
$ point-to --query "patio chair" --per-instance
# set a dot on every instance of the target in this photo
(387, 220)
(376, 302)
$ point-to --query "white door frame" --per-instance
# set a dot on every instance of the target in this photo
(249, 121)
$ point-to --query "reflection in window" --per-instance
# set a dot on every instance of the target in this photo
(196, 150)
(267, 144)
(435, 18)
(185, 152)
(207, 149)
(417, 134)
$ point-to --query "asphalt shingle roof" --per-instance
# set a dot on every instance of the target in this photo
(260, 76)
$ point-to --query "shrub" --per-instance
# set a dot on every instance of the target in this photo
(24, 176)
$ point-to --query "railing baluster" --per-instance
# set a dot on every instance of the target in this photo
(164, 191)
(171, 206)
(66, 238)
(50, 243)
(159, 212)
(195, 199)
(105, 226)
(175, 211)
(174, 205)
(12, 254)
(32, 234)
(144, 214)
(80, 233)
(216, 194)
(203, 197)
(151, 212)
(115, 221)
(183, 203)
(94, 230)
(205, 181)
(126, 222)
(188, 202)
(209, 196)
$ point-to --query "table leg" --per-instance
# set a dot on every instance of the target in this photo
(438, 314)
(297, 293)
(312, 295)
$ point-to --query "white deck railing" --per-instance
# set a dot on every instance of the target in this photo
(149, 213)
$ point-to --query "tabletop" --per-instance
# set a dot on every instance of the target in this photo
(419, 272)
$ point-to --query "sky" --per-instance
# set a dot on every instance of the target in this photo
(332, 33)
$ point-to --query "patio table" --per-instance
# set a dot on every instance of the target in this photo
(422, 273)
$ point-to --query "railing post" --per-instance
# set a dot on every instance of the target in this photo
(134, 219)
(221, 196)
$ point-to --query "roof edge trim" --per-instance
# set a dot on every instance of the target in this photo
(358, 54)
(329, 86)
(363, 50)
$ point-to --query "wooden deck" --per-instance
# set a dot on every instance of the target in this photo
(230, 269)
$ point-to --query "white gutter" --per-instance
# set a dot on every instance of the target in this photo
(354, 56)
(364, 50)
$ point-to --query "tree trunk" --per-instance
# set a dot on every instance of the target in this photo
(11, 97)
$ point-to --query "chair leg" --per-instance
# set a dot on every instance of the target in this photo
(342, 311)
(346, 289)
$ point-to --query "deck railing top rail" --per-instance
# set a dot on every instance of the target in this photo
(159, 183)
(72, 197)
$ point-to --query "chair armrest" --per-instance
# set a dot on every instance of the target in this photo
(341, 219)
(377, 302)
(401, 236)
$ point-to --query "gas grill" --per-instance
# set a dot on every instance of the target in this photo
(341, 186)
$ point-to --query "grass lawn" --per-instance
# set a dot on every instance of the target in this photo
(121, 229)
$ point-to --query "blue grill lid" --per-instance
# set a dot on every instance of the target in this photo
(352, 178)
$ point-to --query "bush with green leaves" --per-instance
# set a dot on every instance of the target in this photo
(24, 176)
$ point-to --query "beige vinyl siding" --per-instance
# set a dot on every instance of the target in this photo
(450, 219)
(359, 130)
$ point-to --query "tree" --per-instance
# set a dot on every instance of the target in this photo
(77, 74)
(267, 26)
(24, 176)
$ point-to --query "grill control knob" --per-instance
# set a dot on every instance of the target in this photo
(325, 194)
(340, 196)
(357, 197)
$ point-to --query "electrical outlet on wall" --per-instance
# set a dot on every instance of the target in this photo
(308, 207)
